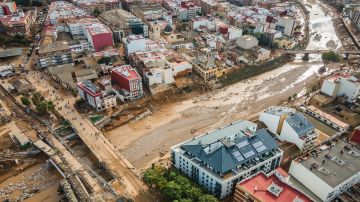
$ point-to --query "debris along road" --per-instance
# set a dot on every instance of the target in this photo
(105, 152)
(72, 168)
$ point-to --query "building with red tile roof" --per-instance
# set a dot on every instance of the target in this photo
(273, 188)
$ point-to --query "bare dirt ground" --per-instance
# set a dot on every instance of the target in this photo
(143, 141)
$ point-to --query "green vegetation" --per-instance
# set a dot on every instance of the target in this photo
(97, 12)
(264, 40)
(25, 100)
(14, 40)
(107, 60)
(305, 57)
(330, 56)
(175, 186)
(42, 106)
(104, 60)
(95, 118)
(252, 70)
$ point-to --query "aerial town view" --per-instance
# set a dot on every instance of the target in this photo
(180, 100)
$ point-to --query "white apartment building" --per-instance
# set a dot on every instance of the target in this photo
(290, 126)
(219, 159)
(342, 85)
(332, 170)
(286, 25)
(134, 43)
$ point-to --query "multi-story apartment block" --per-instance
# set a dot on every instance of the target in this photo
(123, 24)
(99, 100)
(97, 34)
(127, 82)
(57, 53)
(134, 43)
(347, 85)
(330, 170)
(185, 10)
(219, 159)
(61, 12)
(17, 23)
(290, 126)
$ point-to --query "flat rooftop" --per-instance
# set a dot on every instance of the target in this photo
(341, 162)
(53, 47)
(279, 110)
(260, 186)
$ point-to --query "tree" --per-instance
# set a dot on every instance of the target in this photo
(305, 57)
(50, 105)
(25, 100)
(42, 108)
(37, 98)
(104, 60)
(330, 56)
(96, 12)
(290, 98)
(193, 193)
(207, 198)
(173, 190)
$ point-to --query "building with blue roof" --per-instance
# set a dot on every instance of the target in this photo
(290, 126)
(219, 159)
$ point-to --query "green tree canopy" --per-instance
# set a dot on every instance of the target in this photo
(330, 56)
(25, 100)
(175, 186)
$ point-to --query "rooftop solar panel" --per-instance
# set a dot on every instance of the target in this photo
(257, 144)
(236, 153)
(249, 154)
(242, 144)
(239, 158)
(261, 148)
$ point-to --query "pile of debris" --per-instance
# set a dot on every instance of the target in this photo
(28, 186)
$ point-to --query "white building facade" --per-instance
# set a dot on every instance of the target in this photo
(134, 43)
(342, 85)
(290, 126)
(221, 158)
(330, 172)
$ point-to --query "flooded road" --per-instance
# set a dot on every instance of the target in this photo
(142, 142)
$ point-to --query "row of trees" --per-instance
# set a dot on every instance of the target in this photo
(14, 40)
(42, 106)
(330, 56)
(253, 70)
(175, 186)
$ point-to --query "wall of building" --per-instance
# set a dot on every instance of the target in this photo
(288, 134)
(120, 80)
(310, 180)
(99, 41)
(329, 88)
(271, 121)
(350, 88)
(218, 186)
